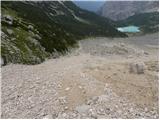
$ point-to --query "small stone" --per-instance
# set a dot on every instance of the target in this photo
(145, 109)
(8, 19)
(101, 111)
(30, 27)
(95, 99)
(82, 75)
(37, 78)
(64, 115)
(2, 61)
(59, 85)
(114, 73)
(146, 53)
(92, 113)
(62, 100)
(80, 87)
(122, 44)
(66, 108)
(131, 110)
(130, 56)
(48, 117)
(106, 85)
(82, 109)
(107, 110)
(37, 36)
(83, 91)
(67, 89)
(54, 34)
(13, 39)
(9, 31)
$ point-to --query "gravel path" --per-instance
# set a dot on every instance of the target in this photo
(94, 81)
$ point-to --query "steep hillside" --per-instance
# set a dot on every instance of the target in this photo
(33, 31)
(119, 10)
(148, 22)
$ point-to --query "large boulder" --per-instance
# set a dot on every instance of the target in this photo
(137, 68)
(2, 61)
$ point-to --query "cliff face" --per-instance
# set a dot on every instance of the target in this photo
(119, 10)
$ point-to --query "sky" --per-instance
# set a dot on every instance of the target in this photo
(89, 5)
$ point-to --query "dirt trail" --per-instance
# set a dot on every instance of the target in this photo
(93, 81)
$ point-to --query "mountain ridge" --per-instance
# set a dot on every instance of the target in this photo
(120, 10)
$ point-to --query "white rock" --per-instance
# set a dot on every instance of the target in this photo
(66, 108)
(80, 87)
(59, 85)
(30, 27)
(9, 31)
(2, 61)
(83, 108)
(101, 111)
(92, 113)
(67, 89)
(9, 17)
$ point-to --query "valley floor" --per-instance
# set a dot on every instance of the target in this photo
(95, 81)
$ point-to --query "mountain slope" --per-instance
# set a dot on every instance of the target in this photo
(33, 31)
(119, 10)
(148, 22)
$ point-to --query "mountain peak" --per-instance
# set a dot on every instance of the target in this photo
(119, 10)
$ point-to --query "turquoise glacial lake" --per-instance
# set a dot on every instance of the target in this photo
(130, 29)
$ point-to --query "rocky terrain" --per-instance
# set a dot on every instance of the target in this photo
(120, 10)
(33, 31)
(103, 78)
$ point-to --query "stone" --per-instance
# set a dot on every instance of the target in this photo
(66, 108)
(95, 99)
(2, 61)
(54, 34)
(62, 100)
(67, 89)
(92, 113)
(9, 31)
(30, 27)
(37, 36)
(80, 87)
(101, 111)
(146, 53)
(48, 117)
(122, 44)
(59, 86)
(137, 68)
(8, 19)
(83, 108)
(12, 39)
(64, 115)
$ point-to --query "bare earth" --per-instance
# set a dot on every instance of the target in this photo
(93, 81)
